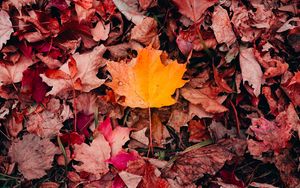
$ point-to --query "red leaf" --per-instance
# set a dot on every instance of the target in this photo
(32, 84)
(122, 158)
(72, 67)
(72, 138)
(83, 122)
(57, 74)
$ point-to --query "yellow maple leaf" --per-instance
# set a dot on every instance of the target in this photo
(145, 81)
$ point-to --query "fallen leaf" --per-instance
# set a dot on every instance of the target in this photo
(288, 169)
(14, 73)
(87, 65)
(270, 135)
(178, 118)
(292, 118)
(148, 173)
(19, 3)
(100, 32)
(146, 33)
(48, 123)
(292, 88)
(86, 103)
(197, 131)
(130, 180)
(197, 110)
(191, 165)
(229, 176)
(140, 136)
(219, 131)
(6, 28)
(193, 9)
(83, 123)
(72, 138)
(274, 67)
(145, 4)
(272, 102)
(136, 82)
(122, 158)
(130, 10)
(189, 39)
(33, 155)
(197, 97)
(84, 9)
(251, 71)
(159, 131)
(15, 124)
(287, 25)
(116, 137)
(33, 85)
(249, 24)
(221, 26)
(93, 157)
(220, 81)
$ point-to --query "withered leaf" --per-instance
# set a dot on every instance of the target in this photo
(33, 155)
(190, 166)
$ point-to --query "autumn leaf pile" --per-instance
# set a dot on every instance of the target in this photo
(149, 93)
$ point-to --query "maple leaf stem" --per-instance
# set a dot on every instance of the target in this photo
(75, 110)
(236, 119)
(150, 149)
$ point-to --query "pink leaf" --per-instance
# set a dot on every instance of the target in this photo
(122, 158)
(116, 138)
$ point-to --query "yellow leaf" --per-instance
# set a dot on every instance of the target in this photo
(146, 81)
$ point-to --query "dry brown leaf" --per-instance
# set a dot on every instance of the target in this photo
(197, 110)
(130, 180)
(6, 28)
(288, 169)
(86, 103)
(291, 86)
(271, 135)
(10, 74)
(145, 4)
(87, 65)
(146, 33)
(19, 3)
(140, 136)
(191, 165)
(251, 71)
(101, 31)
(178, 119)
(93, 157)
(197, 131)
(49, 61)
(130, 10)
(221, 26)
(197, 97)
(193, 9)
(84, 9)
(159, 131)
(33, 155)
(48, 123)
(274, 67)
(150, 176)
(15, 124)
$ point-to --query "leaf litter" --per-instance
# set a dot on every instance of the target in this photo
(157, 93)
